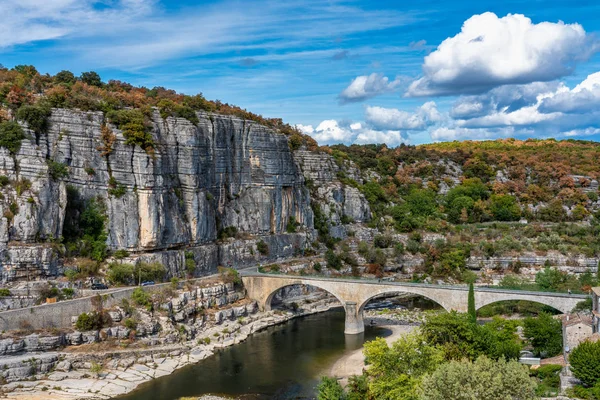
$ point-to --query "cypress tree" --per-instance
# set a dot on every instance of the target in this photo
(471, 310)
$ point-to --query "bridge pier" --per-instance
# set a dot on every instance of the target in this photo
(355, 323)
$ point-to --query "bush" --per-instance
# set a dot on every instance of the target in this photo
(130, 323)
(89, 321)
(141, 297)
(35, 116)
(57, 170)
(585, 363)
(229, 275)
(227, 232)
(333, 261)
(11, 136)
(120, 274)
(330, 389)
(136, 129)
(4, 292)
(291, 225)
(382, 241)
(262, 247)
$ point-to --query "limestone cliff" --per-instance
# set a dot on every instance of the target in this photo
(202, 178)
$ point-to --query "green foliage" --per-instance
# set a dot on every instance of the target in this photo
(130, 323)
(421, 203)
(459, 337)
(120, 273)
(585, 363)
(4, 292)
(120, 254)
(382, 241)
(66, 77)
(262, 247)
(483, 379)
(36, 117)
(291, 225)
(11, 136)
(84, 227)
(57, 170)
(478, 168)
(91, 78)
(168, 108)
(472, 188)
(227, 232)
(584, 305)
(461, 210)
(395, 371)
(230, 275)
(545, 334)
(549, 380)
(141, 297)
(116, 188)
(89, 321)
(358, 387)
(504, 208)
(333, 261)
(330, 389)
(190, 263)
(135, 127)
(471, 304)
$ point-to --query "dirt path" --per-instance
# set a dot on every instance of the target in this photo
(354, 362)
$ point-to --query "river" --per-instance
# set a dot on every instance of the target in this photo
(282, 362)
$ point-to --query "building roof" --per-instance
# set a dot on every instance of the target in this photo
(575, 319)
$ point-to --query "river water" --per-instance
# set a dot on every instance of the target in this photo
(282, 362)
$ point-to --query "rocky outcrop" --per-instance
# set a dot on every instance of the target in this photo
(339, 201)
(221, 172)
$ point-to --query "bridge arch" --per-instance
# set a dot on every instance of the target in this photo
(563, 303)
(269, 299)
(392, 291)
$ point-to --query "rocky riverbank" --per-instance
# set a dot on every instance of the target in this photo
(91, 372)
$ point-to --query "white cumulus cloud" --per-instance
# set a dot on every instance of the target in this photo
(392, 118)
(367, 86)
(491, 51)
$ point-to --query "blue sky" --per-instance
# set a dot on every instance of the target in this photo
(344, 71)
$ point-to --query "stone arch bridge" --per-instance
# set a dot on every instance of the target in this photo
(354, 294)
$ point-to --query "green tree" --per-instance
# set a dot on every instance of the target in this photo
(585, 363)
(460, 205)
(471, 303)
(330, 389)
(395, 371)
(483, 379)
(545, 334)
(11, 136)
(91, 78)
(473, 188)
(504, 207)
(65, 76)
(421, 203)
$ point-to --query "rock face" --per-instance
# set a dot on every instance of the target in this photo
(202, 178)
(340, 203)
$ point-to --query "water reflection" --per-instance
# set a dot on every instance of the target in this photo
(282, 362)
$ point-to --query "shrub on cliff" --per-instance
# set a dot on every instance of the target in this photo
(89, 321)
(135, 127)
(11, 136)
(262, 247)
(36, 117)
